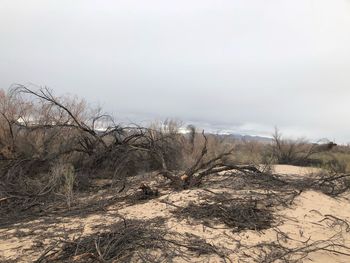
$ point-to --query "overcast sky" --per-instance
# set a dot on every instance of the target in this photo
(240, 65)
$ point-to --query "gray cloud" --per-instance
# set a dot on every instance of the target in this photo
(226, 65)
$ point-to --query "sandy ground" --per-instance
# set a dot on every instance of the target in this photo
(302, 221)
(294, 170)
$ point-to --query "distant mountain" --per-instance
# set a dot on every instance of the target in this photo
(234, 136)
(242, 137)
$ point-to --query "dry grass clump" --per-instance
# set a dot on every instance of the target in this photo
(65, 173)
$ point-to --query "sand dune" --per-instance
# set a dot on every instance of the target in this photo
(304, 220)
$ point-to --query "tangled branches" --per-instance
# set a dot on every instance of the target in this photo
(130, 241)
(236, 213)
(332, 184)
(203, 166)
(289, 250)
(239, 215)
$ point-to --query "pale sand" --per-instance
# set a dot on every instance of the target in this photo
(304, 215)
(294, 170)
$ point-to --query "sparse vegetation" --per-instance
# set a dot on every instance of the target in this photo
(53, 149)
(296, 152)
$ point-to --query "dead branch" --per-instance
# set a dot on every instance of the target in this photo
(128, 241)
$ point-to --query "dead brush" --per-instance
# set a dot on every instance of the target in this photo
(129, 241)
(25, 178)
(289, 250)
(332, 184)
(236, 213)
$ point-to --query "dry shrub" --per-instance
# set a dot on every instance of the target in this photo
(64, 175)
(177, 151)
(185, 159)
(35, 126)
(25, 178)
(38, 130)
(38, 178)
(296, 152)
(216, 146)
(47, 128)
(167, 146)
(251, 152)
(335, 166)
